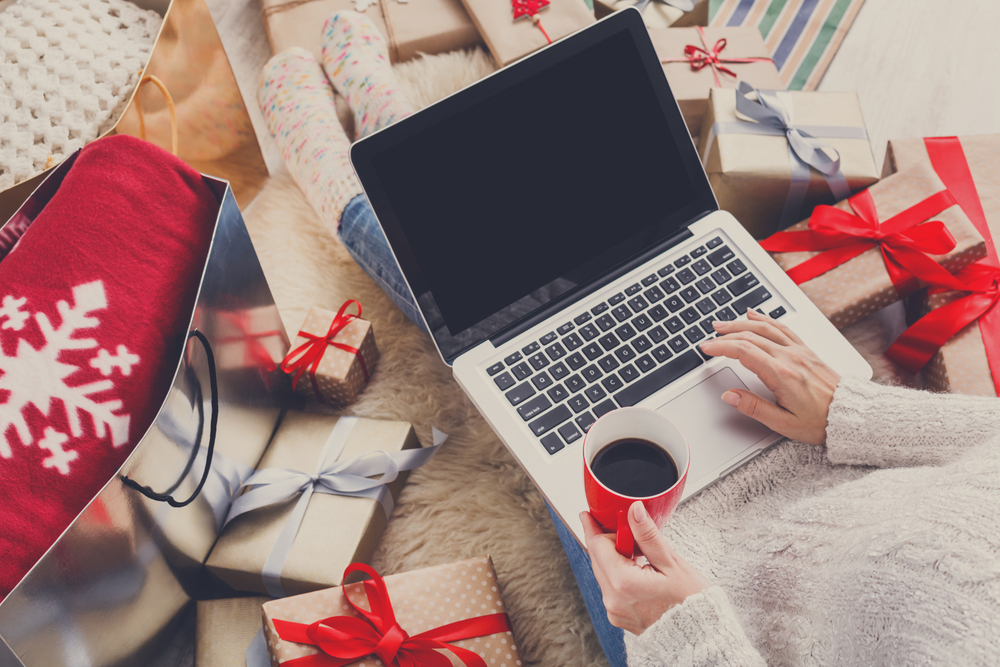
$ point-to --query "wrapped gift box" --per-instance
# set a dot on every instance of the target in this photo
(860, 286)
(341, 374)
(224, 630)
(463, 590)
(509, 39)
(691, 86)
(335, 531)
(961, 365)
(751, 174)
(659, 14)
(428, 26)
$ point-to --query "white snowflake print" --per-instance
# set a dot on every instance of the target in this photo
(38, 377)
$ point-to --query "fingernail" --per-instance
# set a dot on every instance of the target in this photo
(732, 398)
(639, 512)
(718, 324)
(581, 516)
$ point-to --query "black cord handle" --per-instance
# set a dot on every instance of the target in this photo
(212, 429)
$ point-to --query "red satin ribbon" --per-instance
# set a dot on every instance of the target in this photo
(915, 347)
(705, 57)
(308, 355)
(904, 242)
(256, 353)
(345, 639)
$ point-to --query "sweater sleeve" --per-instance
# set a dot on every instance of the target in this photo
(700, 632)
(878, 425)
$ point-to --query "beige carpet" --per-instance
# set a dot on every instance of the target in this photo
(472, 498)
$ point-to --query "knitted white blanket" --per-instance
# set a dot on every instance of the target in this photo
(67, 68)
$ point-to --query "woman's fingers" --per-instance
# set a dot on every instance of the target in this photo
(773, 416)
(781, 326)
(748, 350)
(764, 329)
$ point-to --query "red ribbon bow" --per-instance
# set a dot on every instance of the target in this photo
(904, 242)
(345, 639)
(705, 57)
(308, 355)
(255, 352)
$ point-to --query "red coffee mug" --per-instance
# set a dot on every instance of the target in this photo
(610, 508)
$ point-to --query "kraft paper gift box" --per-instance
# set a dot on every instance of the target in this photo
(861, 285)
(335, 530)
(691, 86)
(661, 13)
(341, 374)
(421, 601)
(510, 39)
(970, 167)
(752, 174)
(224, 630)
(410, 28)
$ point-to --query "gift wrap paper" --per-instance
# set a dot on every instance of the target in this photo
(340, 376)
(224, 630)
(691, 87)
(420, 26)
(860, 286)
(961, 366)
(422, 600)
(658, 14)
(509, 40)
(751, 174)
(336, 530)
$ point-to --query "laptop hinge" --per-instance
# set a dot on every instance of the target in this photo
(517, 328)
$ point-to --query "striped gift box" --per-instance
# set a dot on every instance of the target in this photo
(801, 35)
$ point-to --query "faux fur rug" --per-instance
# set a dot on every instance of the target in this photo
(472, 498)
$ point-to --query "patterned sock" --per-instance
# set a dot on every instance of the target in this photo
(356, 59)
(298, 105)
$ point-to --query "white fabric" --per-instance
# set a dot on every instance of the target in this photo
(67, 67)
(849, 564)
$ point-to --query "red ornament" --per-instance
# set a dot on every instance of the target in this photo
(527, 7)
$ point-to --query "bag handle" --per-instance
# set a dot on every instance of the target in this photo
(212, 430)
(149, 78)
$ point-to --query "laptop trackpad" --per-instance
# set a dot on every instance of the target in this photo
(717, 432)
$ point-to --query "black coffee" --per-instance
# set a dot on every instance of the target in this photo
(635, 468)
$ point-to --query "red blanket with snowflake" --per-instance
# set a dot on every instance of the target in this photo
(95, 301)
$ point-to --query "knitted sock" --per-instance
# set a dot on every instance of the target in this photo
(356, 60)
(298, 106)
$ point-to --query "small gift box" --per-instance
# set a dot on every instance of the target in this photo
(698, 59)
(333, 355)
(224, 630)
(409, 28)
(276, 547)
(397, 620)
(249, 340)
(878, 246)
(514, 28)
(957, 343)
(661, 13)
(771, 156)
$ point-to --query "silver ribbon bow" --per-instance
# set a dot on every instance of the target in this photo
(772, 116)
(683, 5)
(345, 478)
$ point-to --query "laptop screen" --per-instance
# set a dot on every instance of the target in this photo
(530, 191)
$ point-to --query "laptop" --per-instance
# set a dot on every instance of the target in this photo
(567, 255)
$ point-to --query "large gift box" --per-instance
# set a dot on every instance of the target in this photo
(333, 355)
(697, 59)
(224, 630)
(771, 155)
(960, 342)
(514, 28)
(660, 14)
(879, 246)
(409, 28)
(334, 522)
(452, 611)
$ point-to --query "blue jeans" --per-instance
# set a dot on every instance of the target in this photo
(366, 242)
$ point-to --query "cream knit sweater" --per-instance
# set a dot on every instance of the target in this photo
(881, 549)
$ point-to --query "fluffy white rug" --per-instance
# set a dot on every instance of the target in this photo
(472, 498)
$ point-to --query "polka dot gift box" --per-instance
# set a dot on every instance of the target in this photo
(442, 616)
(878, 246)
(333, 356)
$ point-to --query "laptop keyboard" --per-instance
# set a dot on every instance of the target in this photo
(628, 347)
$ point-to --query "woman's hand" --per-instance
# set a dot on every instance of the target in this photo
(802, 384)
(635, 597)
